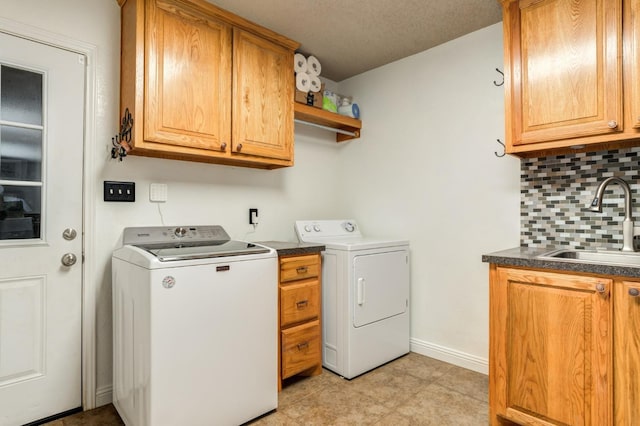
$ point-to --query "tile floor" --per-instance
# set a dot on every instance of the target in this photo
(412, 390)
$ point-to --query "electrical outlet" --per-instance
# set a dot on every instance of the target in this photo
(253, 216)
(119, 191)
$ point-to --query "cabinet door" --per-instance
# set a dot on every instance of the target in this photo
(566, 70)
(550, 354)
(188, 79)
(632, 60)
(263, 97)
(627, 353)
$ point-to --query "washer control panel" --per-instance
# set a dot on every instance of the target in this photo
(314, 230)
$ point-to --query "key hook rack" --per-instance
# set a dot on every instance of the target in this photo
(121, 142)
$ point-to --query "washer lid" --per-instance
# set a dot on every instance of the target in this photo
(188, 242)
(204, 250)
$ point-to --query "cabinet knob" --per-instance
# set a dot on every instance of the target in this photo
(239, 147)
(634, 292)
(601, 288)
(612, 124)
(223, 146)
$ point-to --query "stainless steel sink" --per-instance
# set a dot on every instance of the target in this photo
(594, 256)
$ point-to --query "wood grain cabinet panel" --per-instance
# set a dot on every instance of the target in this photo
(301, 348)
(300, 306)
(263, 110)
(627, 353)
(299, 267)
(550, 348)
(571, 75)
(299, 302)
(202, 84)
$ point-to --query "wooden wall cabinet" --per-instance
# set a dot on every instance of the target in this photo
(300, 297)
(551, 351)
(571, 75)
(205, 85)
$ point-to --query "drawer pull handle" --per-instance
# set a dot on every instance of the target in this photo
(302, 304)
(634, 292)
(303, 345)
(302, 270)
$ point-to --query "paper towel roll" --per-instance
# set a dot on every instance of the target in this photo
(303, 82)
(313, 65)
(316, 84)
(299, 63)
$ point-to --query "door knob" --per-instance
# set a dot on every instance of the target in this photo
(69, 259)
(69, 234)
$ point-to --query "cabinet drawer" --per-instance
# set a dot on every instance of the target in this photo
(299, 302)
(300, 348)
(299, 267)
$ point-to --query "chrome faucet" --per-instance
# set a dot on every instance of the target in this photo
(627, 223)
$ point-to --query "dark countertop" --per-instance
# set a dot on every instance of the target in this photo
(286, 248)
(527, 257)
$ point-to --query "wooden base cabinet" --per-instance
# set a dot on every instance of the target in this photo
(202, 84)
(300, 316)
(627, 352)
(550, 348)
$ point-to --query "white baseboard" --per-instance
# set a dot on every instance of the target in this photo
(452, 356)
(104, 395)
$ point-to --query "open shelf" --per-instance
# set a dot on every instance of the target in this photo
(331, 120)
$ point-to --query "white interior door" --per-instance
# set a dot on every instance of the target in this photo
(41, 151)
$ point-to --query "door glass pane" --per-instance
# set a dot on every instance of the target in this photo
(20, 212)
(20, 154)
(20, 96)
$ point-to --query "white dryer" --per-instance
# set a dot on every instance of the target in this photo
(365, 296)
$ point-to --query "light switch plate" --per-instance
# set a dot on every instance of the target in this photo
(158, 192)
(119, 191)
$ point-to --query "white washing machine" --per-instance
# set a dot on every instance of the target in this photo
(365, 296)
(195, 327)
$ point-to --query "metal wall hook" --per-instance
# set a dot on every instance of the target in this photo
(502, 74)
(503, 149)
(121, 141)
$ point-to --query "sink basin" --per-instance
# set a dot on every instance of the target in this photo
(594, 256)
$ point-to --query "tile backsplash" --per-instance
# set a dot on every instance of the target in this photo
(556, 191)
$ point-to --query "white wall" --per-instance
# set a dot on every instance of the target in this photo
(425, 169)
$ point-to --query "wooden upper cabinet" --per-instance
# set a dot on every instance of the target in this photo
(205, 85)
(632, 61)
(564, 73)
(188, 80)
(550, 348)
(263, 108)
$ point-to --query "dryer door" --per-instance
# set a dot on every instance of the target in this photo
(380, 286)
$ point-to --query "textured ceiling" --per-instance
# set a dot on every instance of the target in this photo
(350, 37)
